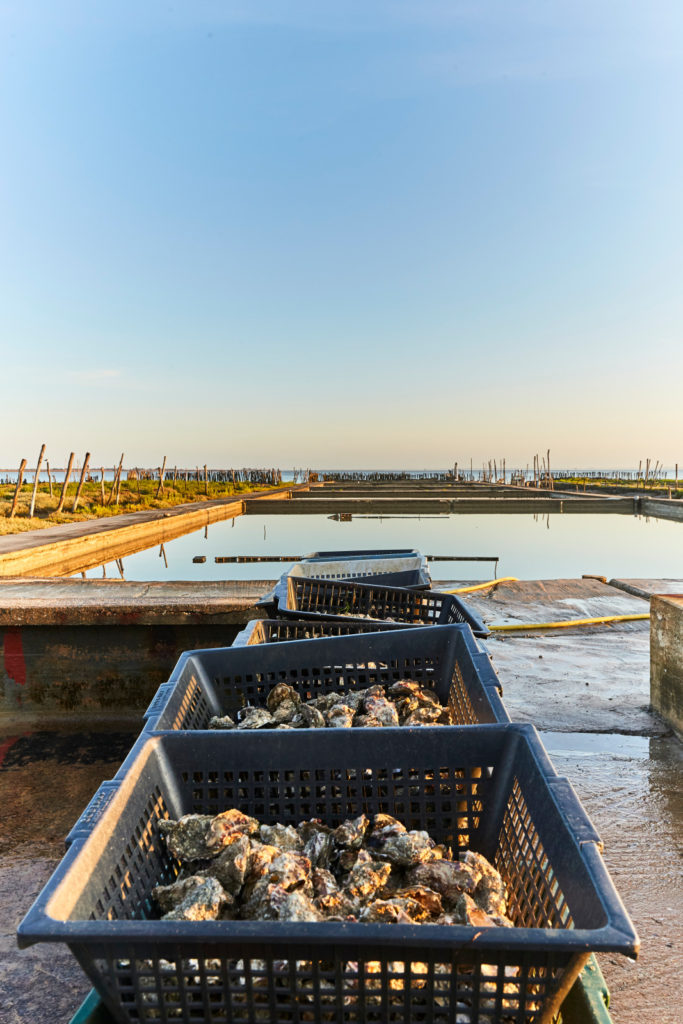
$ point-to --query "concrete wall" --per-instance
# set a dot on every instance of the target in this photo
(666, 659)
(48, 671)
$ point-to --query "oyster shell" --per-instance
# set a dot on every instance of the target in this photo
(285, 837)
(232, 863)
(186, 838)
(225, 828)
(407, 849)
(221, 722)
(449, 878)
(308, 717)
(255, 718)
(351, 832)
(382, 709)
(206, 901)
(280, 694)
(340, 716)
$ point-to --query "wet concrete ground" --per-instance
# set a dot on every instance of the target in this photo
(623, 762)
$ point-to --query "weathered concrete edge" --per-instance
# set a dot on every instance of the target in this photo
(666, 660)
(327, 506)
(90, 549)
(125, 605)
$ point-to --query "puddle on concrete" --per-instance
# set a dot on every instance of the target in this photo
(530, 546)
(590, 744)
(631, 788)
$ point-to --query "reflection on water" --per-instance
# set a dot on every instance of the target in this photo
(530, 546)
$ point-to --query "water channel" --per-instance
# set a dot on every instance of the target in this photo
(529, 546)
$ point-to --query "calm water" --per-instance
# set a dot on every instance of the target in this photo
(530, 546)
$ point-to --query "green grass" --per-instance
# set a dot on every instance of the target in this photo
(135, 496)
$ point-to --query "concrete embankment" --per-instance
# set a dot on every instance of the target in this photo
(87, 647)
(317, 504)
(75, 547)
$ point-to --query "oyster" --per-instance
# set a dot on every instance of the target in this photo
(168, 897)
(351, 832)
(186, 838)
(285, 837)
(428, 714)
(290, 870)
(466, 911)
(429, 900)
(285, 712)
(206, 901)
(281, 694)
(308, 717)
(407, 848)
(340, 716)
(225, 828)
(382, 709)
(261, 857)
(393, 911)
(324, 882)
(364, 880)
(232, 863)
(449, 878)
(221, 722)
(255, 718)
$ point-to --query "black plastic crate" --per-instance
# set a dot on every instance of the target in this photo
(385, 568)
(222, 680)
(338, 599)
(270, 631)
(491, 789)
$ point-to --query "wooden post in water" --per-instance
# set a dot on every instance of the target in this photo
(160, 488)
(102, 496)
(20, 479)
(551, 483)
(62, 496)
(35, 483)
(206, 481)
(49, 478)
(676, 476)
(81, 481)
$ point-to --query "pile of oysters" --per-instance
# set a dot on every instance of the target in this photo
(402, 703)
(233, 867)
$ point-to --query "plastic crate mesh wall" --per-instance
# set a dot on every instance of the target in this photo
(292, 984)
(284, 630)
(194, 710)
(330, 598)
(460, 704)
(424, 989)
(238, 690)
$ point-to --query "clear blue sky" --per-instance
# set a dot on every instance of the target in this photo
(355, 233)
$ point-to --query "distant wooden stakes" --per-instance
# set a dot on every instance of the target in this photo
(17, 489)
(35, 483)
(84, 471)
(62, 496)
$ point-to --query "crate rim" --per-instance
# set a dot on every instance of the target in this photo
(617, 934)
(279, 596)
(487, 675)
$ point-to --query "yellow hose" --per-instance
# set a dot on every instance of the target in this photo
(482, 586)
(571, 622)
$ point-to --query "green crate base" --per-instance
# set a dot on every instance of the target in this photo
(587, 1002)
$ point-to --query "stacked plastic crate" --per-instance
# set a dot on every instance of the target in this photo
(480, 783)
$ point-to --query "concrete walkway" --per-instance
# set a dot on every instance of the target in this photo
(76, 602)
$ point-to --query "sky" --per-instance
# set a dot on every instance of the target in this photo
(372, 234)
